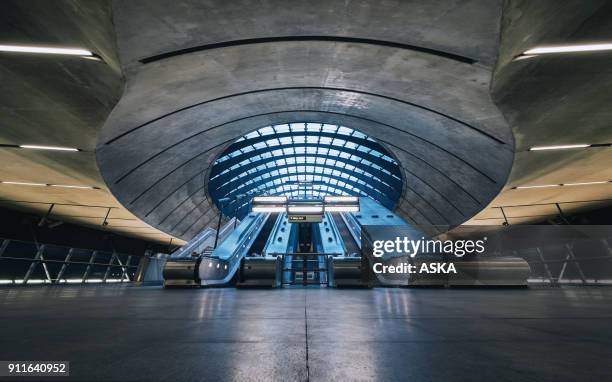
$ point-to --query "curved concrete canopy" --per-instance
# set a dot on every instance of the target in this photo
(468, 28)
(434, 113)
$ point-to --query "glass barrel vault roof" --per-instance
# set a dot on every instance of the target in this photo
(303, 160)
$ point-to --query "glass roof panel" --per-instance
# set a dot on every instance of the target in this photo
(306, 160)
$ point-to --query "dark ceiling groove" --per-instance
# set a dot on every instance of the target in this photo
(424, 200)
(301, 88)
(176, 168)
(417, 210)
(185, 216)
(179, 205)
(344, 39)
(435, 191)
(407, 217)
(175, 190)
(206, 223)
(438, 171)
(197, 220)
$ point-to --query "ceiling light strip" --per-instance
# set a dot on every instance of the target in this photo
(15, 183)
(560, 147)
(55, 148)
(572, 48)
(45, 50)
(563, 184)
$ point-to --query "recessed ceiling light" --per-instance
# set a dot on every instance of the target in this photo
(45, 50)
(37, 147)
(559, 147)
(568, 49)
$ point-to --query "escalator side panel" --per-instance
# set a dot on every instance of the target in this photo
(349, 241)
(327, 238)
(220, 268)
(257, 270)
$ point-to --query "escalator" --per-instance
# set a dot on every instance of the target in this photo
(349, 242)
(347, 270)
(257, 269)
(262, 238)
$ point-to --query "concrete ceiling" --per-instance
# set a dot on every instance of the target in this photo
(60, 101)
(554, 100)
(434, 81)
(196, 89)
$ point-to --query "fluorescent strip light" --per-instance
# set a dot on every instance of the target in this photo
(565, 184)
(305, 209)
(24, 183)
(44, 50)
(70, 186)
(270, 199)
(559, 147)
(568, 49)
(540, 186)
(269, 209)
(586, 183)
(37, 147)
(341, 209)
(345, 199)
(49, 185)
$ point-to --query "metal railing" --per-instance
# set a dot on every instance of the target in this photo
(20, 261)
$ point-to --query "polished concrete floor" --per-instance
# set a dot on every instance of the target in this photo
(146, 334)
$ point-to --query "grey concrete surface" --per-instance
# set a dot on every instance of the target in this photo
(146, 334)
(435, 113)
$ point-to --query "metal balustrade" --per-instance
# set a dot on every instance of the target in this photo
(34, 263)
